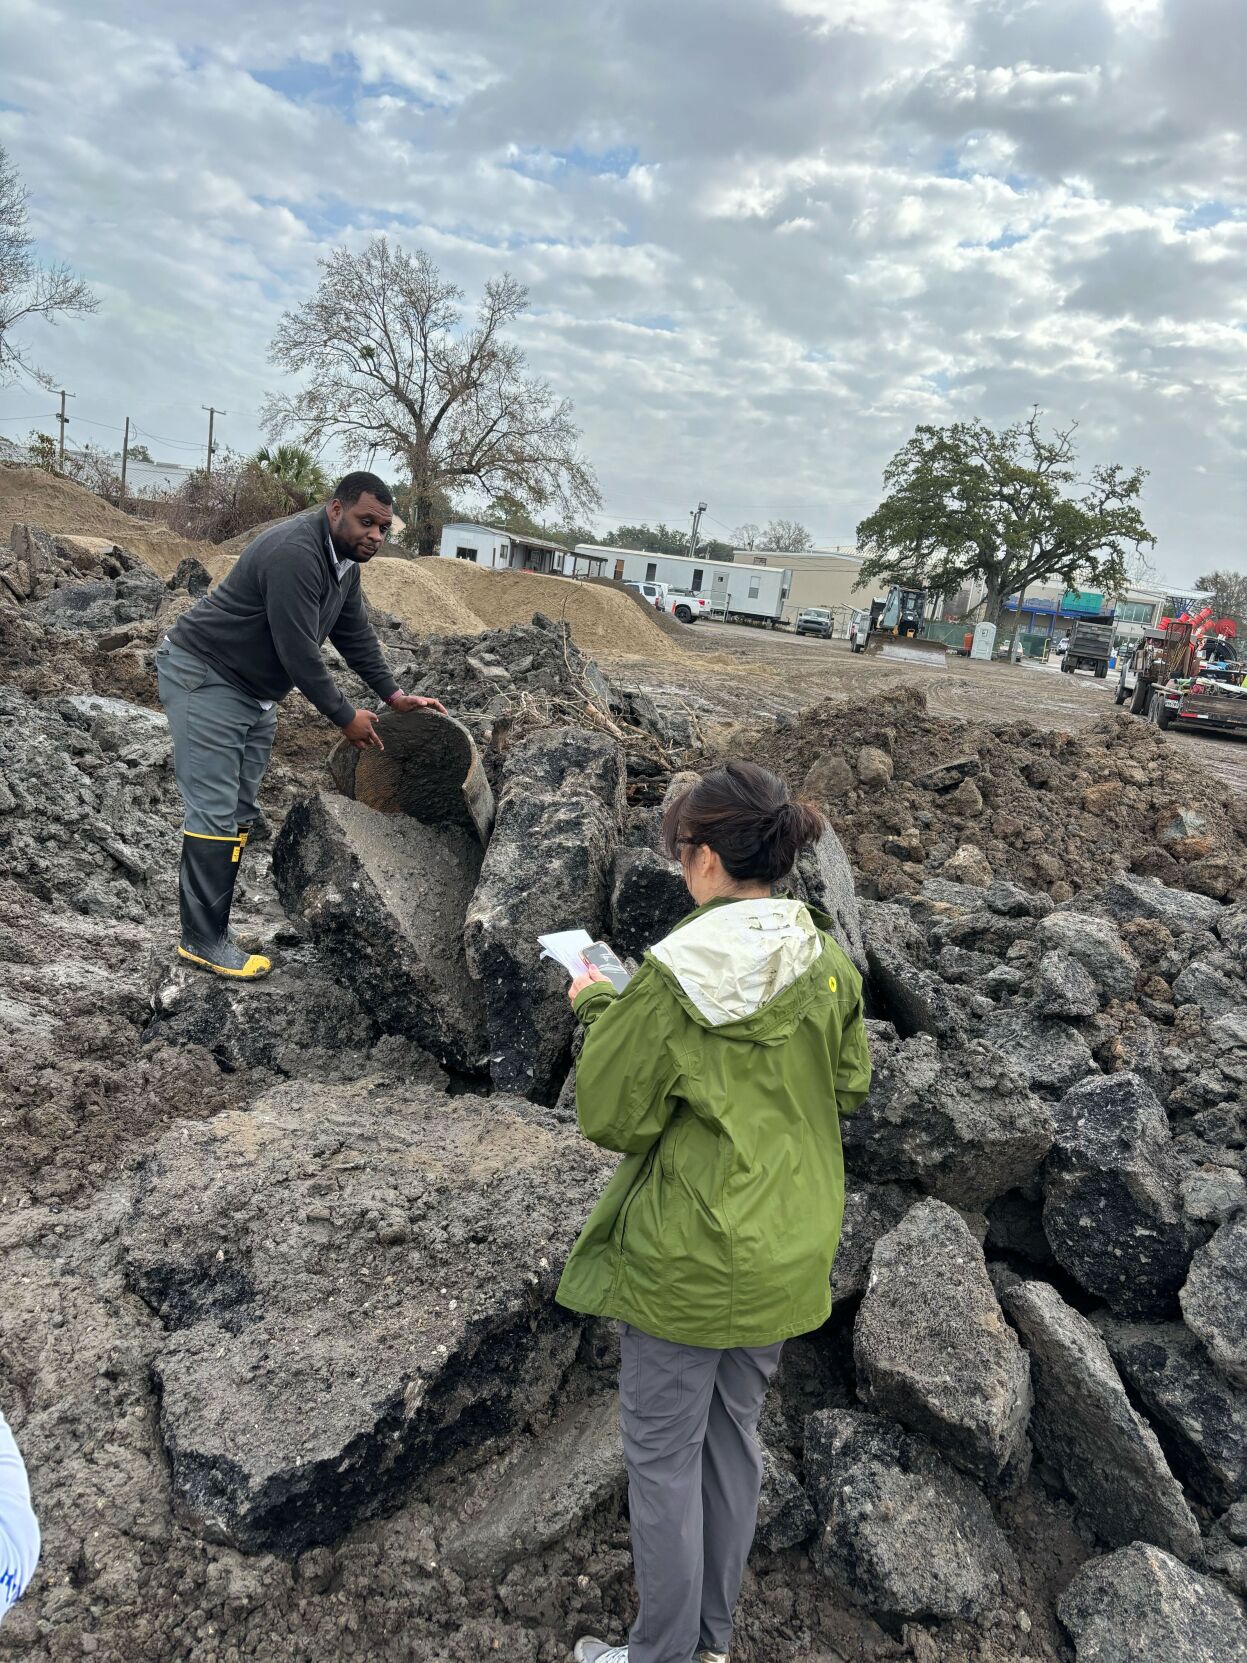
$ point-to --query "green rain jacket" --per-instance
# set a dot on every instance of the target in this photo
(720, 1073)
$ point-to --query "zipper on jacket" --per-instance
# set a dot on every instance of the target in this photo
(631, 1201)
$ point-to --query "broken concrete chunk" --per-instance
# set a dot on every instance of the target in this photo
(540, 1490)
(1141, 1605)
(874, 767)
(547, 868)
(1112, 1209)
(1127, 895)
(1051, 1054)
(317, 1262)
(1082, 1425)
(904, 1535)
(961, 1124)
(1214, 1299)
(785, 1513)
(870, 1211)
(648, 899)
(1199, 1415)
(1064, 989)
(1096, 945)
(934, 1351)
(824, 873)
(429, 769)
(385, 897)
(1207, 985)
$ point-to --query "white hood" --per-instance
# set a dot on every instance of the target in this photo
(736, 958)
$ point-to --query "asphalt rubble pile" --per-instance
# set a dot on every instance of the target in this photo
(278, 1337)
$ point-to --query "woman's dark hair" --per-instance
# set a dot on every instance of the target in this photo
(746, 816)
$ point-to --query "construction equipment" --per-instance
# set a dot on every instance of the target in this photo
(1090, 646)
(895, 629)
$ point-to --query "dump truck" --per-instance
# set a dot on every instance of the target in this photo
(895, 631)
(1090, 646)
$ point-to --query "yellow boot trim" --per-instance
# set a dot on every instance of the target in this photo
(257, 965)
(211, 837)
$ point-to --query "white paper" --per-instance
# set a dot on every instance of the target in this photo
(565, 947)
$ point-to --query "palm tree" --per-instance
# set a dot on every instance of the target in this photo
(296, 470)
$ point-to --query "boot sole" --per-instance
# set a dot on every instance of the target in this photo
(221, 969)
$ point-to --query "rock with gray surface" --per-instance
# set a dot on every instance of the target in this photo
(317, 1265)
(870, 1211)
(547, 868)
(1211, 987)
(785, 1513)
(903, 1535)
(1141, 1605)
(826, 878)
(1200, 1418)
(1094, 944)
(385, 898)
(1127, 895)
(1112, 1208)
(1214, 1298)
(1084, 1428)
(961, 1124)
(934, 1351)
(539, 1490)
(1064, 989)
(1052, 1055)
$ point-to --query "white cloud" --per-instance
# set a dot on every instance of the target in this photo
(763, 238)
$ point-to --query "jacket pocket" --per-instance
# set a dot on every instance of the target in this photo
(634, 1196)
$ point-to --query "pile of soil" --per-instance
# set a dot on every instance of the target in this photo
(1050, 810)
(31, 496)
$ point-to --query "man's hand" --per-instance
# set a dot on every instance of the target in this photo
(413, 701)
(591, 975)
(361, 730)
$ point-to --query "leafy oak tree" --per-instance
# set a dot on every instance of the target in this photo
(967, 504)
(392, 368)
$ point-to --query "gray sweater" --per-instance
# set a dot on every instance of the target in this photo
(263, 625)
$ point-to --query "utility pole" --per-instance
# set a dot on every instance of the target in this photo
(213, 413)
(63, 419)
(125, 456)
(692, 542)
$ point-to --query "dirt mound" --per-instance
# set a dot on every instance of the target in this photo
(601, 619)
(28, 495)
(907, 790)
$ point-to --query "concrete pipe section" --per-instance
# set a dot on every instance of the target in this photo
(430, 769)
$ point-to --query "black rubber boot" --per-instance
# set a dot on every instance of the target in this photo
(206, 881)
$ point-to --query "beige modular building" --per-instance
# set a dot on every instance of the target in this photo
(820, 577)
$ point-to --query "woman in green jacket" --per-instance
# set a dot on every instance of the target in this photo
(720, 1074)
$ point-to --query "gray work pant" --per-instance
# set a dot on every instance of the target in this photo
(689, 1417)
(222, 739)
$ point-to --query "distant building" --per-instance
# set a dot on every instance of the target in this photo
(1051, 608)
(513, 551)
(820, 577)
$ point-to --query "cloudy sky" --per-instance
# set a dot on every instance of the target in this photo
(763, 238)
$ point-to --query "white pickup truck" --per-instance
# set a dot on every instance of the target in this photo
(681, 603)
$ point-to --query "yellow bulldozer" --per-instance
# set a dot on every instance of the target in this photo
(896, 622)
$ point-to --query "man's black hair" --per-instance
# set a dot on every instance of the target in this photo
(349, 490)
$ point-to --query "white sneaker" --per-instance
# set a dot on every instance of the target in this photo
(712, 1657)
(590, 1650)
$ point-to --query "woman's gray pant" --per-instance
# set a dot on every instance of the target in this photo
(222, 739)
(689, 1417)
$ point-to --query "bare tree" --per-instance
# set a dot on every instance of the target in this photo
(786, 537)
(747, 536)
(27, 289)
(393, 370)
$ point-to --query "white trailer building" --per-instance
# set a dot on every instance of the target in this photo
(736, 592)
(513, 551)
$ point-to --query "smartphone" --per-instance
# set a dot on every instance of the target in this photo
(600, 956)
